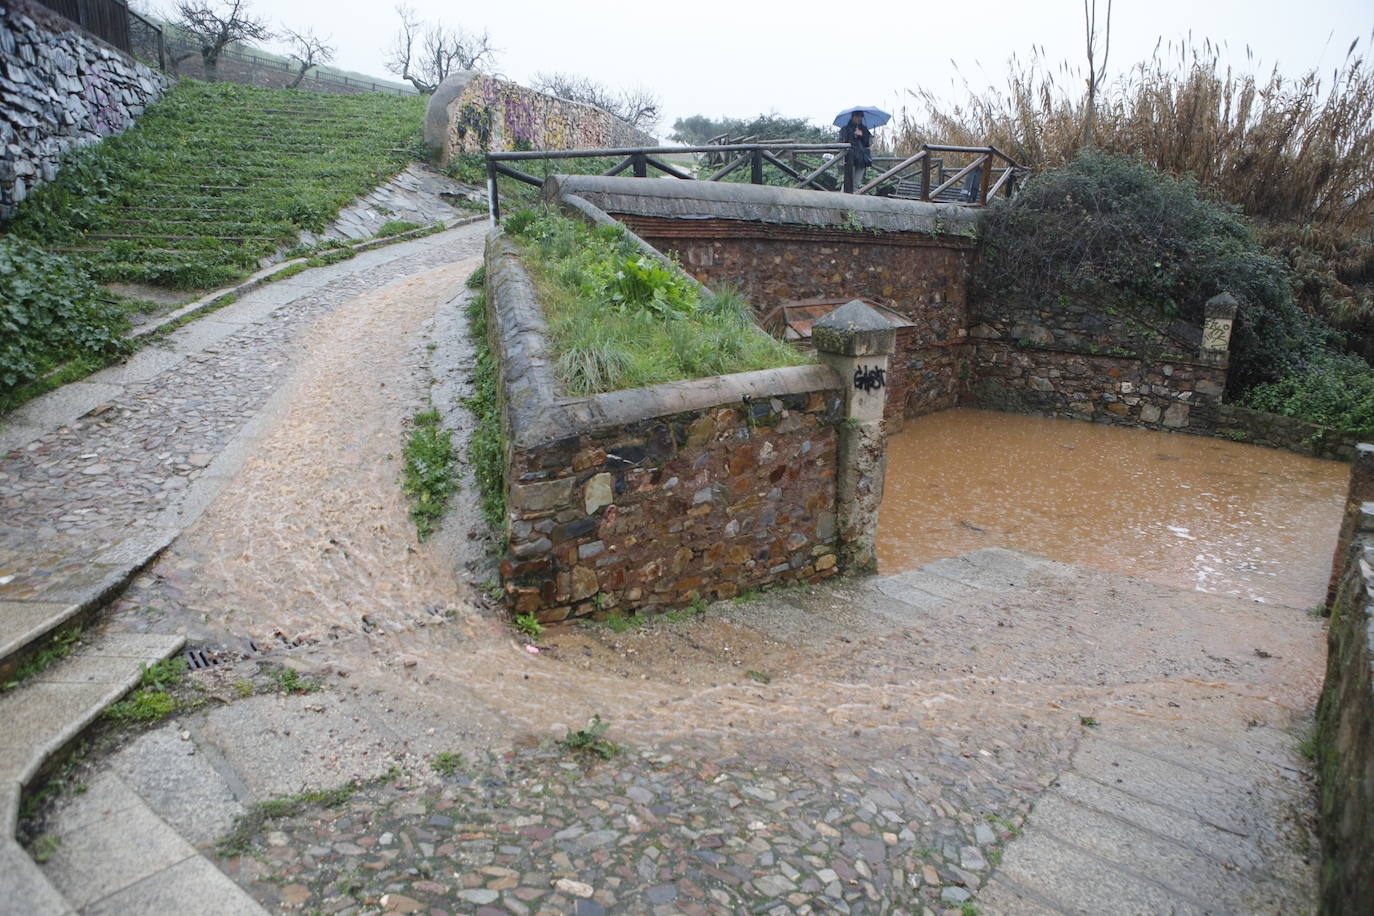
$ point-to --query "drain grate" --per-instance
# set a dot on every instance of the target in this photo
(197, 659)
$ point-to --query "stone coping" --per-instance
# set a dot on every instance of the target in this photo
(537, 413)
(680, 199)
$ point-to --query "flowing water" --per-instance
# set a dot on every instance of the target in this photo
(1217, 516)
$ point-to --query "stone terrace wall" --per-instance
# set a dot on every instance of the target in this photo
(59, 88)
(1154, 393)
(1345, 721)
(659, 496)
(782, 245)
(472, 112)
(1289, 433)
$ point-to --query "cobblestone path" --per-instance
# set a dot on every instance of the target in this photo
(88, 485)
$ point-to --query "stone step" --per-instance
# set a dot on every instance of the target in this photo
(44, 715)
(33, 613)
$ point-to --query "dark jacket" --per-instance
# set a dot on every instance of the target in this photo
(859, 141)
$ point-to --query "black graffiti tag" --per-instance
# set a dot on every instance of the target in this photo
(870, 379)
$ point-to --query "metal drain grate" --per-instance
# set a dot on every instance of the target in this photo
(197, 659)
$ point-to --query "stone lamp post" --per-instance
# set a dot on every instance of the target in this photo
(856, 342)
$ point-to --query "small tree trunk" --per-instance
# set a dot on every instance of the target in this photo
(300, 75)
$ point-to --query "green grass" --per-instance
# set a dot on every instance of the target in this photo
(529, 624)
(289, 680)
(486, 452)
(59, 647)
(429, 476)
(620, 319)
(446, 763)
(151, 701)
(210, 180)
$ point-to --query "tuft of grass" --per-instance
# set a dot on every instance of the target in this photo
(758, 676)
(623, 623)
(289, 680)
(59, 647)
(239, 839)
(1088, 722)
(45, 847)
(428, 478)
(478, 278)
(396, 227)
(529, 624)
(589, 739)
(151, 700)
(446, 763)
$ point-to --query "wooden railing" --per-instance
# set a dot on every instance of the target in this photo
(802, 165)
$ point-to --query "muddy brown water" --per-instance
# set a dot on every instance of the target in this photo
(1217, 516)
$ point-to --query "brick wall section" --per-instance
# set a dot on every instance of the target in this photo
(61, 88)
(657, 496)
(1345, 733)
(920, 276)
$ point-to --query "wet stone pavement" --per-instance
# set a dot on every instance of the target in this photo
(669, 830)
(89, 484)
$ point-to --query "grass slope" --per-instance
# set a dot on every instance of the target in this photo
(216, 176)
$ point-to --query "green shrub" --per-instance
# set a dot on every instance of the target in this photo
(1114, 230)
(1332, 390)
(50, 311)
(619, 318)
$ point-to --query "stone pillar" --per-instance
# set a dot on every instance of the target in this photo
(1219, 314)
(856, 341)
(1361, 491)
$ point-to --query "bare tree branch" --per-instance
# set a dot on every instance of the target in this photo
(425, 53)
(638, 107)
(307, 50)
(215, 23)
(1097, 72)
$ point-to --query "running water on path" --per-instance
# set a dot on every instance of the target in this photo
(1217, 516)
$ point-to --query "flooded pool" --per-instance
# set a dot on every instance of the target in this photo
(1208, 514)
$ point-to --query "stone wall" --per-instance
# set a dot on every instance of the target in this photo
(473, 112)
(658, 496)
(60, 88)
(1289, 433)
(1131, 391)
(1345, 722)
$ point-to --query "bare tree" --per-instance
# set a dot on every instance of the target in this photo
(215, 23)
(1097, 71)
(307, 50)
(638, 107)
(425, 53)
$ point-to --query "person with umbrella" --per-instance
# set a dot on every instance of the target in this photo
(856, 128)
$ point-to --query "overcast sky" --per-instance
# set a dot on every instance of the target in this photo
(811, 59)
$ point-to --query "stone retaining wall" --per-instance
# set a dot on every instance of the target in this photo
(1345, 718)
(473, 112)
(59, 88)
(659, 496)
(1132, 391)
(1276, 431)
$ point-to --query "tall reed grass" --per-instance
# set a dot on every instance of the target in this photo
(1294, 153)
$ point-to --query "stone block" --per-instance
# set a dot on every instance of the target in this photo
(541, 497)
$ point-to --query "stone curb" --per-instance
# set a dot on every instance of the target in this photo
(30, 888)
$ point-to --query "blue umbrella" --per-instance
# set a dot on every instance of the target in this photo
(873, 117)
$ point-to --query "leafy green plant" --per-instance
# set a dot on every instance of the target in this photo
(591, 739)
(50, 311)
(1331, 389)
(45, 847)
(428, 477)
(446, 763)
(758, 676)
(529, 624)
(1088, 721)
(478, 277)
(151, 700)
